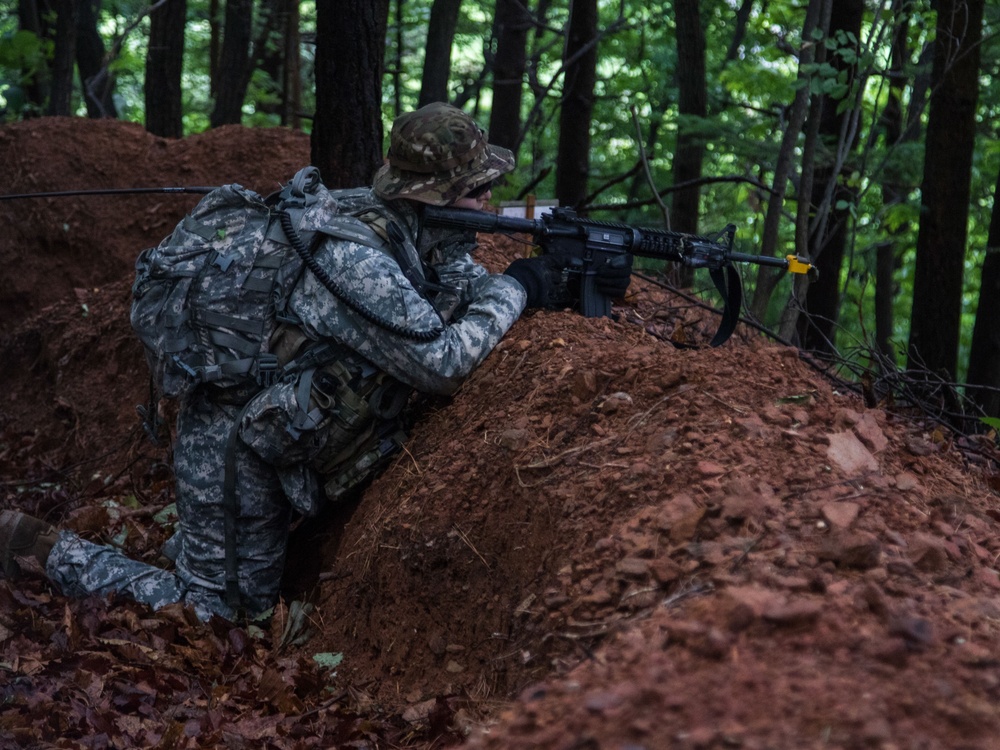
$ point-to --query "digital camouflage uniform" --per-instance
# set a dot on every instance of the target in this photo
(291, 438)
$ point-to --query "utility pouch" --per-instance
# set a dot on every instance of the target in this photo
(331, 410)
(350, 414)
(277, 429)
(364, 430)
(371, 454)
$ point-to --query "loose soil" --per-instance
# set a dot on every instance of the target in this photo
(601, 541)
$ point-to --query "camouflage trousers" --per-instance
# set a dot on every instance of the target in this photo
(266, 495)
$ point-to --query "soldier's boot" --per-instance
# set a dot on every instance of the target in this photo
(23, 536)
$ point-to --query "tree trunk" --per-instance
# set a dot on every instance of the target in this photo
(692, 98)
(214, 44)
(164, 65)
(740, 29)
(291, 83)
(350, 41)
(512, 24)
(580, 60)
(945, 190)
(437, 54)
(97, 82)
(767, 279)
(61, 94)
(268, 50)
(921, 87)
(397, 62)
(790, 319)
(886, 254)
(234, 64)
(275, 52)
(38, 83)
(828, 225)
(984, 356)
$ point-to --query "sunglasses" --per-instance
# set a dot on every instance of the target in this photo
(481, 190)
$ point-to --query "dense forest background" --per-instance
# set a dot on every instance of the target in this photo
(861, 134)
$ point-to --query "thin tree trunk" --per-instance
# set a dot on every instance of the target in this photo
(97, 82)
(291, 84)
(537, 45)
(437, 54)
(886, 254)
(573, 157)
(922, 83)
(767, 279)
(164, 65)
(945, 190)
(61, 94)
(691, 101)
(234, 64)
(789, 321)
(350, 43)
(984, 356)
(397, 65)
(740, 29)
(214, 44)
(826, 216)
(513, 21)
(267, 50)
(38, 82)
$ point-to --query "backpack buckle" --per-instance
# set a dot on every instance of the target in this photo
(224, 261)
(267, 370)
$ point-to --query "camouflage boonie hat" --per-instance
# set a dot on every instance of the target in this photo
(438, 154)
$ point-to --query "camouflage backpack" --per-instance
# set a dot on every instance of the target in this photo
(208, 298)
(204, 298)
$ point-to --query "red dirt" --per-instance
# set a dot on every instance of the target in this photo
(601, 541)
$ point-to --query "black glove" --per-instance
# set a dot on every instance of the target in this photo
(611, 279)
(543, 279)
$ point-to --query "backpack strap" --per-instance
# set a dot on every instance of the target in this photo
(231, 511)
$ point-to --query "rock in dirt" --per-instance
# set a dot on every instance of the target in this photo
(841, 515)
(850, 454)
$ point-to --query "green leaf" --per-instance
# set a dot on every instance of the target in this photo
(848, 55)
(328, 659)
(167, 516)
(991, 422)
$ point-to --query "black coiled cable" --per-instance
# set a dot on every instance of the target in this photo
(338, 291)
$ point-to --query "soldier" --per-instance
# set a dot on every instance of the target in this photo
(421, 318)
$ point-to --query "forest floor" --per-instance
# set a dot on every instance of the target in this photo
(601, 541)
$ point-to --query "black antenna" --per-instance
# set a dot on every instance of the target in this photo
(110, 191)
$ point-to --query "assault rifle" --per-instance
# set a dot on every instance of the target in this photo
(587, 244)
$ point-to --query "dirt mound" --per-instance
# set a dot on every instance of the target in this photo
(52, 246)
(600, 541)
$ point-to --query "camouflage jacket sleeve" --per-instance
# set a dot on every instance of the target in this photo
(373, 278)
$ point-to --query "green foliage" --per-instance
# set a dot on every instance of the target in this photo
(22, 56)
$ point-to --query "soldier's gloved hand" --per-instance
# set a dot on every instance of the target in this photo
(543, 279)
(611, 279)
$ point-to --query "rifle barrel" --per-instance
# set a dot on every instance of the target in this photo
(480, 221)
(762, 260)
